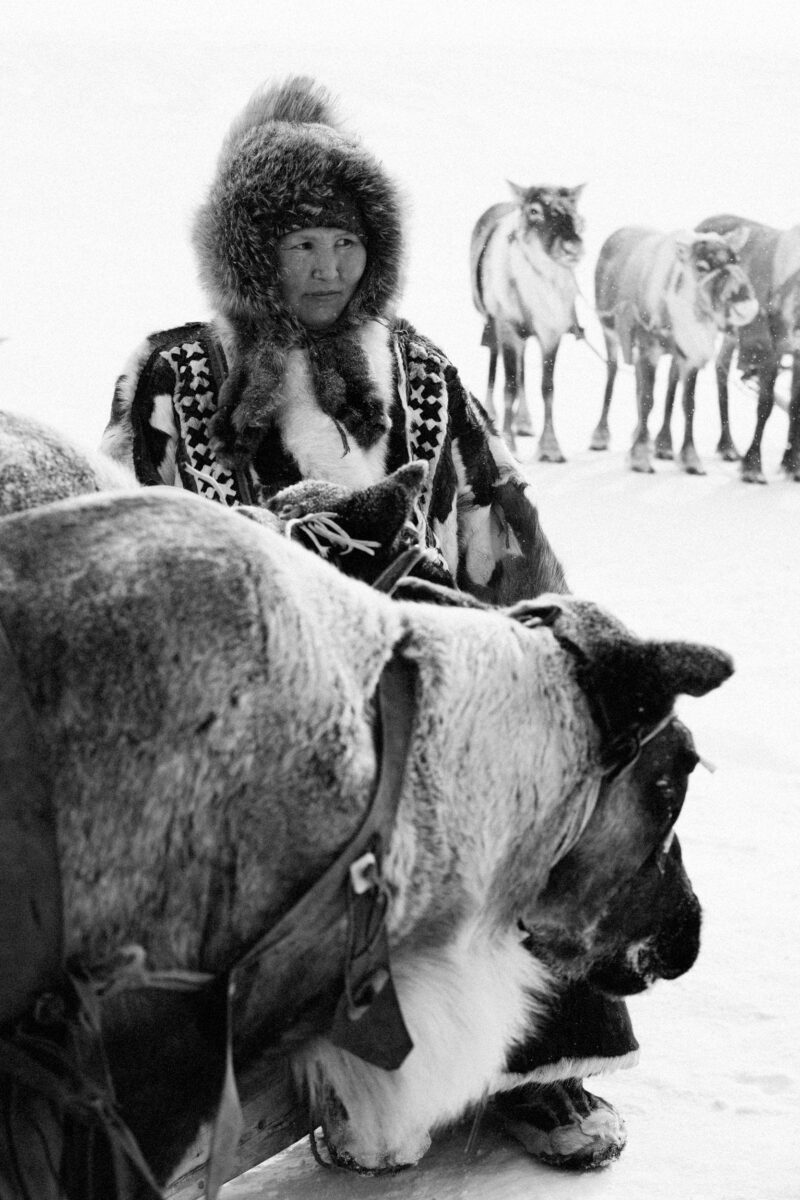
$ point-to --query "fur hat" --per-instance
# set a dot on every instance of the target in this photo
(286, 164)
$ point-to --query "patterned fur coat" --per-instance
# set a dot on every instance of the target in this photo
(475, 510)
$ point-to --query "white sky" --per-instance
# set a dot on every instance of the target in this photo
(111, 117)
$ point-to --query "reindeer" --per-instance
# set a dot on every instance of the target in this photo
(771, 258)
(522, 259)
(217, 725)
(667, 294)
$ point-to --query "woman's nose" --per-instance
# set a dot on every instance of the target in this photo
(325, 265)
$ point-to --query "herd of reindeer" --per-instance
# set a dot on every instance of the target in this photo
(729, 284)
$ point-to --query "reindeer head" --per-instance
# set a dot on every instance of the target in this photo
(711, 263)
(618, 909)
(361, 532)
(551, 214)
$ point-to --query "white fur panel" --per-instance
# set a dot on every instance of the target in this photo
(312, 437)
(163, 419)
(566, 1068)
(465, 1006)
(375, 344)
(478, 543)
(117, 439)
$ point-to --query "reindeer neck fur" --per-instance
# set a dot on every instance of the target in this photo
(532, 797)
(666, 299)
(458, 861)
(524, 286)
(694, 330)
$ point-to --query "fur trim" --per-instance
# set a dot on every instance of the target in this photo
(284, 146)
(117, 439)
(566, 1068)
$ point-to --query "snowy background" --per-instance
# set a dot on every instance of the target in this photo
(110, 122)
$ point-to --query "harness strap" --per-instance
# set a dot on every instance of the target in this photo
(390, 578)
(318, 915)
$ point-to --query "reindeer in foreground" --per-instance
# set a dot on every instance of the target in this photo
(170, 658)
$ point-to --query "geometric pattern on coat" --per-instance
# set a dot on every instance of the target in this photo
(194, 404)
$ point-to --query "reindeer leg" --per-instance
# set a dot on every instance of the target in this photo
(601, 436)
(689, 456)
(510, 368)
(725, 447)
(790, 463)
(639, 456)
(490, 340)
(663, 443)
(751, 463)
(549, 449)
(523, 417)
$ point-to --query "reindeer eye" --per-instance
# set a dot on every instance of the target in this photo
(535, 211)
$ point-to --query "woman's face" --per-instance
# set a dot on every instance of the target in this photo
(320, 270)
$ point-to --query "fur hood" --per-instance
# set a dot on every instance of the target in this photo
(284, 157)
(287, 145)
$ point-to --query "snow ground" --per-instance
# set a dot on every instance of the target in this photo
(109, 131)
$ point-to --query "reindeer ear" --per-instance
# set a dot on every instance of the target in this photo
(737, 238)
(519, 193)
(575, 192)
(683, 246)
(380, 511)
(630, 683)
(544, 610)
(689, 669)
(411, 477)
(634, 684)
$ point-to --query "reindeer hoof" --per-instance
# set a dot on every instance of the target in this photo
(562, 1125)
(728, 452)
(639, 459)
(692, 465)
(600, 440)
(753, 475)
(550, 451)
(345, 1161)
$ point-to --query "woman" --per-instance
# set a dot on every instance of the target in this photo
(306, 372)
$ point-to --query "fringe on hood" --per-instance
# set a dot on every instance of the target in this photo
(283, 152)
